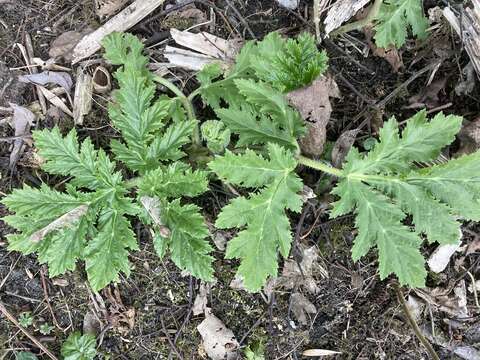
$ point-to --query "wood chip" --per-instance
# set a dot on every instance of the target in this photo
(124, 20)
(187, 59)
(342, 11)
(468, 28)
(82, 100)
(206, 44)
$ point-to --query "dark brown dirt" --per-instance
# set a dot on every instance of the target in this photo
(358, 314)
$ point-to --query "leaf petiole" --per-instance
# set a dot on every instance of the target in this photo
(186, 102)
(318, 165)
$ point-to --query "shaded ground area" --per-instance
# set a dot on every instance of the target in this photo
(149, 315)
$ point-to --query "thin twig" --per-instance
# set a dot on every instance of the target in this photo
(414, 324)
(170, 342)
(10, 317)
(242, 19)
(47, 298)
(474, 288)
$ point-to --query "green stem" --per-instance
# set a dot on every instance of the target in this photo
(356, 25)
(186, 102)
(318, 165)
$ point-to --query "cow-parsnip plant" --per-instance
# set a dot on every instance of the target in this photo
(392, 21)
(252, 144)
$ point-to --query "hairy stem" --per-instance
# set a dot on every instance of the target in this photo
(186, 102)
(414, 324)
(356, 25)
(318, 165)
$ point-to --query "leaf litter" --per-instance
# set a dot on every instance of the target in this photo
(313, 103)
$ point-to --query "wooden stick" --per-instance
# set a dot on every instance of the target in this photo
(124, 20)
(414, 324)
(10, 317)
(34, 70)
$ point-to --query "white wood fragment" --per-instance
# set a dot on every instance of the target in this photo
(124, 20)
(82, 100)
(187, 59)
(440, 258)
(206, 44)
(340, 12)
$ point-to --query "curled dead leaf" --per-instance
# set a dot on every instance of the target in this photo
(102, 82)
(219, 341)
(342, 146)
(301, 307)
(469, 138)
(22, 120)
(201, 300)
(313, 103)
(62, 46)
(59, 78)
(302, 274)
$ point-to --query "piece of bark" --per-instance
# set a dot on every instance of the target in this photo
(82, 100)
(124, 20)
(342, 11)
(468, 28)
(206, 44)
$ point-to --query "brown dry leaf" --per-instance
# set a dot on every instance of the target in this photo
(301, 307)
(106, 8)
(313, 103)
(469, 138)
(189, 12)
(428, 97)
(22, 120)
(62, 222)
(219, 341)
(390, 54)
(60, 78)
(63, 45)
(201, 300)
(342, 147)
(454, 304)
(91, 323)
(294, 275)
(467, 85)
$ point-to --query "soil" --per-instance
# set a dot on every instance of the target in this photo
(357, 314)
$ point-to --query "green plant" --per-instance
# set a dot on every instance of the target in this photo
(79, 347)
(255, 351)
(45, 328)
(392, 20)
(25, 319)
(25, 355)
(254, 145)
